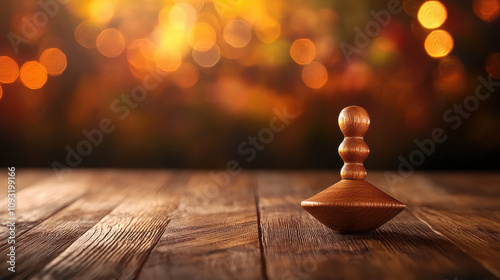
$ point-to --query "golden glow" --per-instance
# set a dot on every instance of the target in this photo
(227, 8)
(237, 33)
(140, 53)
(86, 34)
(1, 92)
(268, 30)
(9, 70)
(486, 10)
(169, 37)
(438, 43)
(207, 58)
(168, 59)
(303, 51)
(493, 65)
(196, 4)
(182, 16)
(201, 32)
(110, 42)
(314, 75)
(54, 61)
(432, 14)
(101, 11)
(33, 74)
(186, 76)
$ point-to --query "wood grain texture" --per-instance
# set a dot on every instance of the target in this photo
(118, 244)
(157, 224)
(465, 208)
(25, 178)
(297, 247)
(213, 234)
(44, 242)
(42, 200)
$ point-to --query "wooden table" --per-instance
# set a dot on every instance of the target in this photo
(176, 224)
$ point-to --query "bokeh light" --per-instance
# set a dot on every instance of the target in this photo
(451, 69)
(303, 51)
(438, 43)
(201, 32)
(101, 11)
(432, 14)
(182, 16)
(493, 65)
(110, 42)
(314, 75)
(9, 70)
(206, 55)
(1, 92)
(186, 76)
(237, 33)
(86, 34)
(33, 75)
(486, 10)
(54, 61)
(196, 4)
(140, 53)
(268, 30)
(168, 59)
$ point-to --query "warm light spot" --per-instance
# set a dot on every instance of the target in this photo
(314, 75)
(438, 43)
(486, 10)
(33, 74)
(182, 16)
(227, 8)
(451, 69)
(268, 30)
(451, 78)
(196, 4)
(1, 92)
(201, 32)
(186, 76)
(237, 33)
(207, 58)
(86, 34)
(493, 65)
(140, 53)
(303, 51)
(9, 70)
(101, 11)
(168, 59)
(54, 61)
(110, 42)
(169, 37)
(432, 14)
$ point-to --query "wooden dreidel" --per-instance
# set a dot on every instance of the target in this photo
(353, 205)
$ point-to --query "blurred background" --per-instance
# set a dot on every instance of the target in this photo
(217, 71)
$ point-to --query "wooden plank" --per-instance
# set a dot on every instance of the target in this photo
(213, 234)
(42, 200)
(25, 177)
(463, 207)
(468, 216)
(476, 232)
(298, 247)
(44, 242)
(118, 244)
